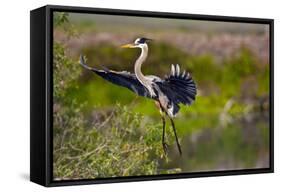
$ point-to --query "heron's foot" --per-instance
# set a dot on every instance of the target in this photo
(165, 147)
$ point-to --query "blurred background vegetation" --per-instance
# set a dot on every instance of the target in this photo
(102, 130)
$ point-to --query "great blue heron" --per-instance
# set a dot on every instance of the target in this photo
(168, 93)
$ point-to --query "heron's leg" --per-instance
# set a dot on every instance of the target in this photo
(162, 112)
(164, 144)
(175, 132)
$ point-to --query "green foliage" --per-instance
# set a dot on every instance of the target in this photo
(60, 18)
(105, 149)
(63, 67)
(61, 21)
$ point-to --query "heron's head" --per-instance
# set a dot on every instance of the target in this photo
(139, 43)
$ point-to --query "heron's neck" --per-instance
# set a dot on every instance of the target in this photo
(142, 79)
(139, 62)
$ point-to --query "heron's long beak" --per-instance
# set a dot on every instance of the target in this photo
(130, 45)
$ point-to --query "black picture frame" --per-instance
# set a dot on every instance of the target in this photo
(41, 42)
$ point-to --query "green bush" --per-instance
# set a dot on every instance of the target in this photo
(107, 148)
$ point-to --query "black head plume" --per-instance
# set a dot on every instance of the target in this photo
(142, 40)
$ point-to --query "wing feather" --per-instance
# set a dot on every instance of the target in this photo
(179, 87)
(123, 78)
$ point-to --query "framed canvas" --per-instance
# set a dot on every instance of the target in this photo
(122, 95)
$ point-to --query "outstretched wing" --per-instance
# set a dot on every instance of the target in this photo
(178, 87)
(124, 78)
